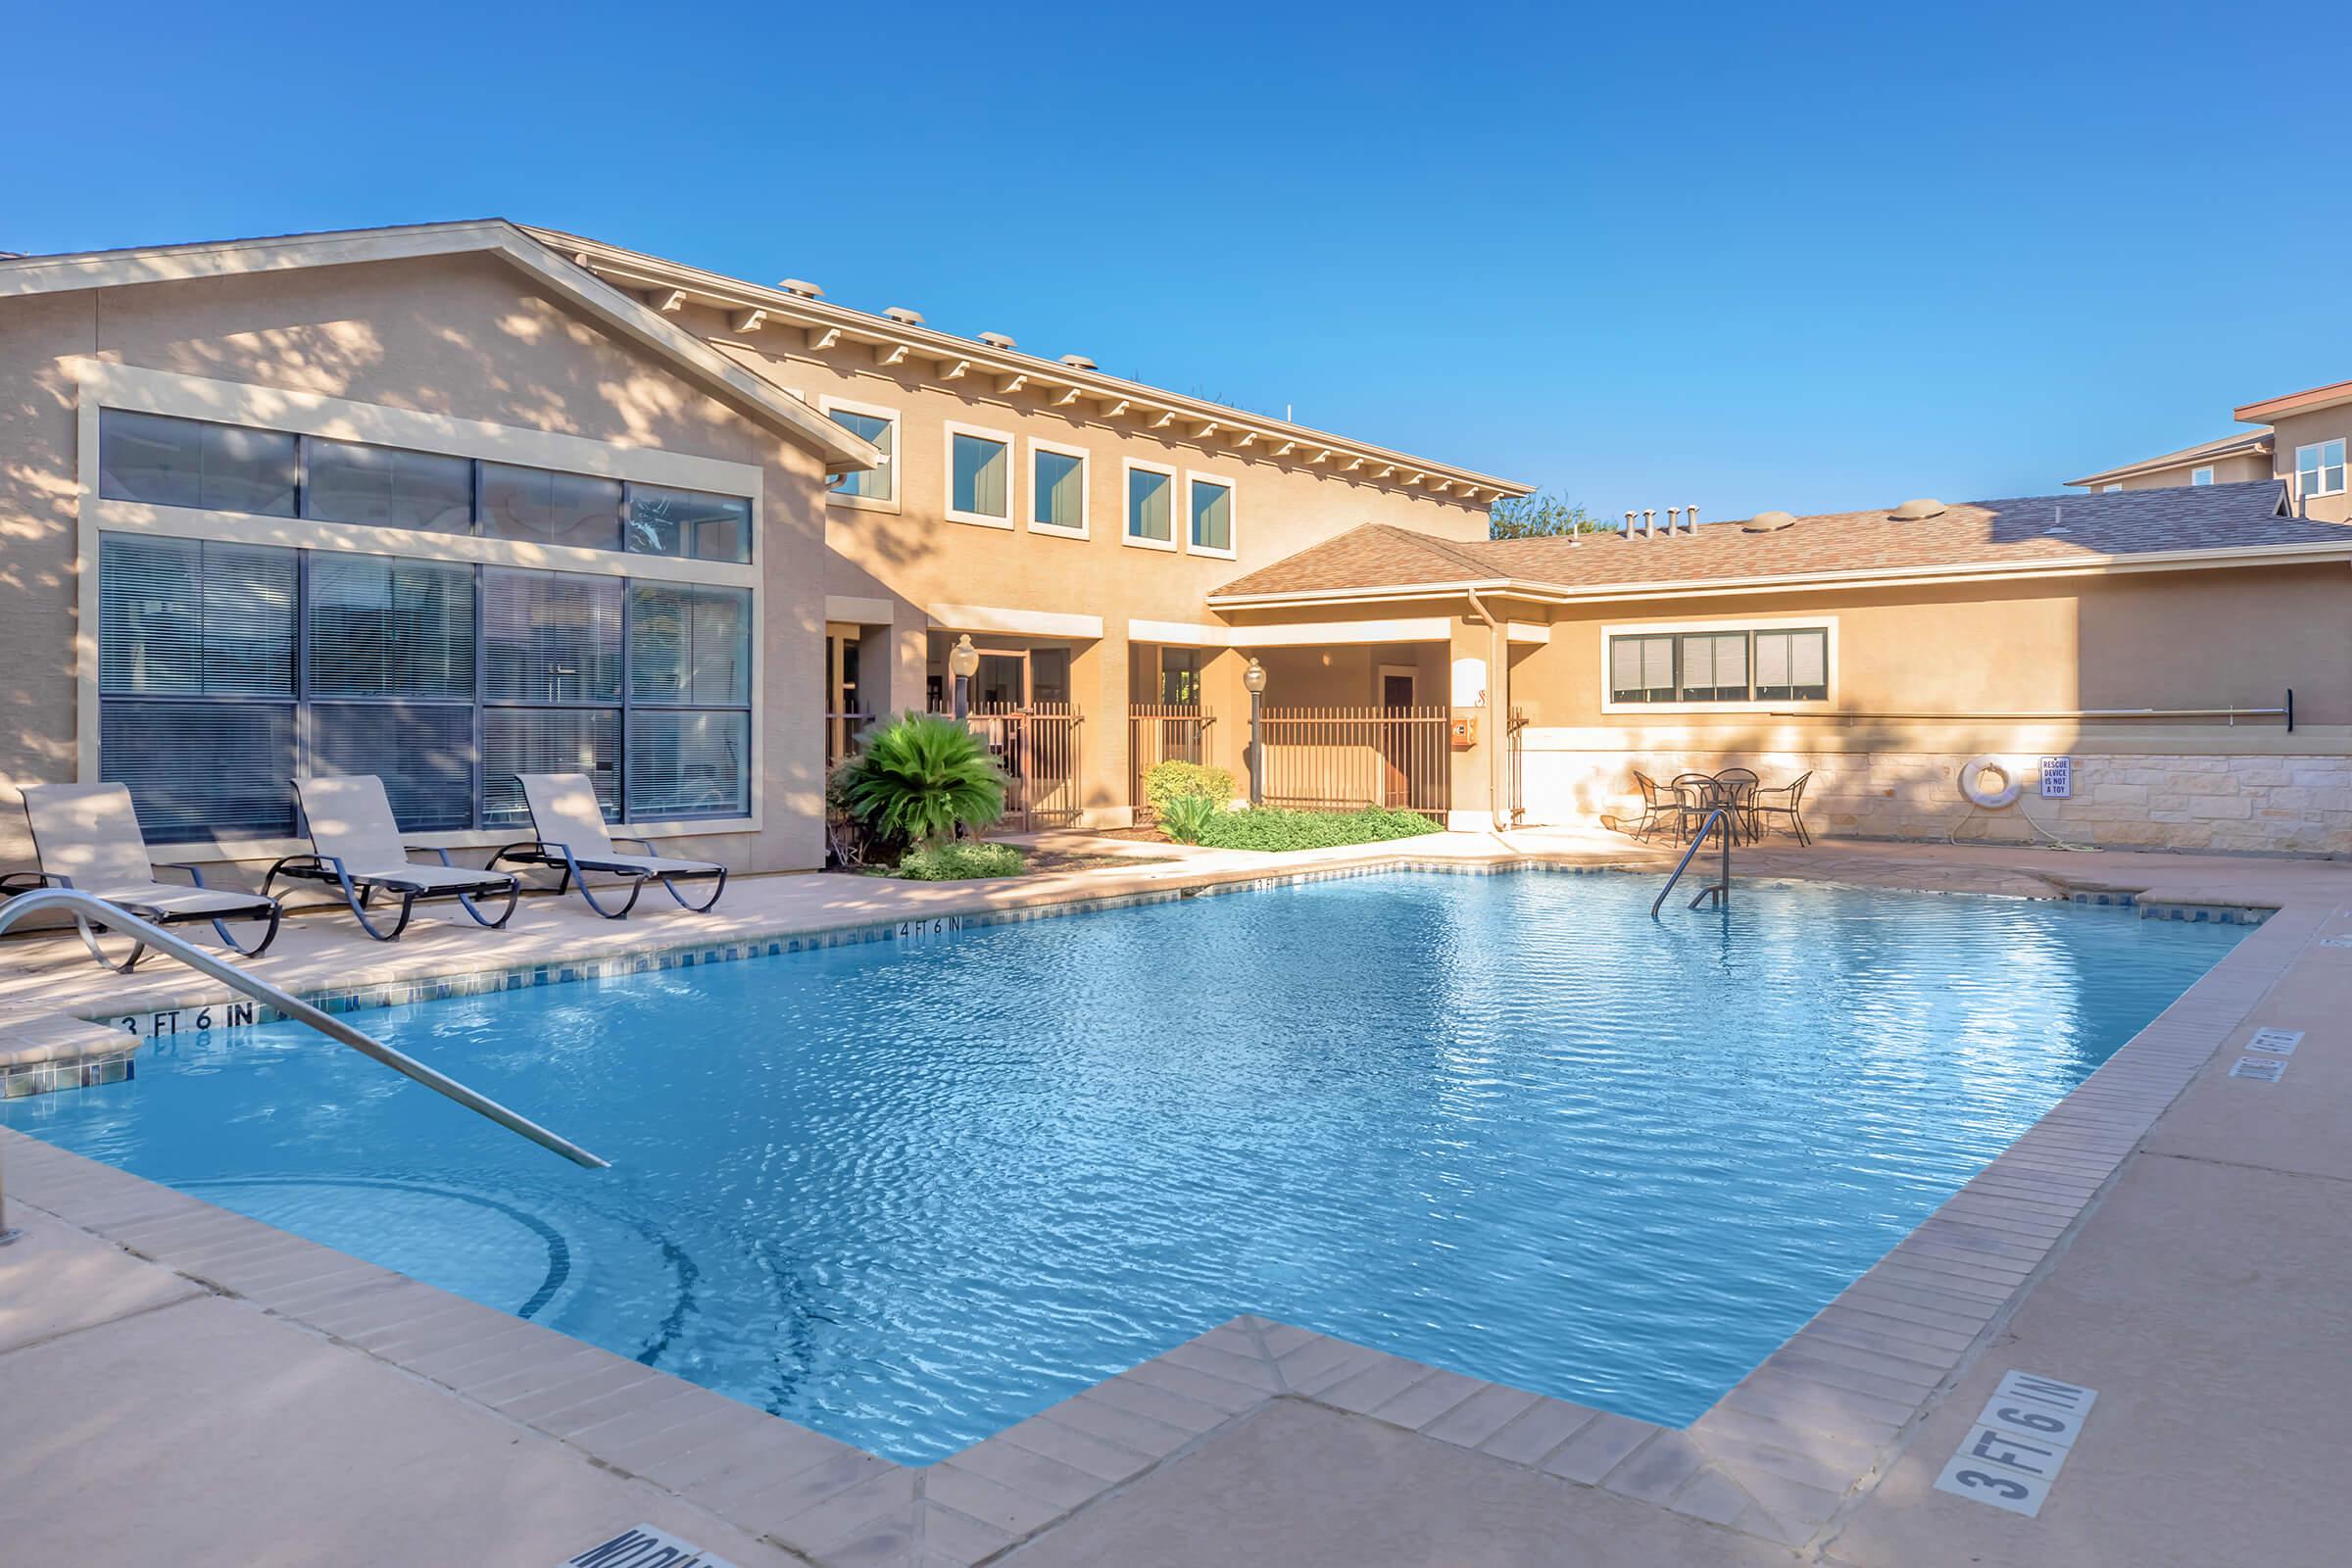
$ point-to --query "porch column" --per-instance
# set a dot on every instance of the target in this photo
(1476, 675)
(1099, 683)
(1222, 694)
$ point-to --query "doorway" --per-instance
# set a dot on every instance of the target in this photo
(1399, 686)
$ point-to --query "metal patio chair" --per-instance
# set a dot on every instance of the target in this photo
(572, 838)
(1786, 799)
(1696, 795)
(86, 837)
(1658, 805)
(358, 852)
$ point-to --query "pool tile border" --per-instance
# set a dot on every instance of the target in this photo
(1778, 1457)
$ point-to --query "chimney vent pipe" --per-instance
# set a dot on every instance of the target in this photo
(1650, 521)
(1691, 519)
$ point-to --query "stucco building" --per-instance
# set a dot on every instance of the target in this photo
(2302, 443)
(451, 502)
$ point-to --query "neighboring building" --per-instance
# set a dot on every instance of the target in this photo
(448, 502)
(2303, 441)
(2153, 638)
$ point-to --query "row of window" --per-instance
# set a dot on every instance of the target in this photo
(228, 670)
(1720, 666)
(980, 486)
(170, 461)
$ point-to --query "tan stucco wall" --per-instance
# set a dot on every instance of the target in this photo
(464, 337)
(2226, 470)
(1978, 653)
(2302, 429)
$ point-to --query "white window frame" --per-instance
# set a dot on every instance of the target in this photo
(2109, 489)
(104, 384)
(1233, 513)
(1085, 489)
(826, 404)
(1178, 527)
(1773, 705)
(947, 475)
(2319, 465)
(2201, 476)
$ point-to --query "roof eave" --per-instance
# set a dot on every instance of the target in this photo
(2086, 565)
(2309, 401)
(655, 271)
(2187, 457)
(623, 313)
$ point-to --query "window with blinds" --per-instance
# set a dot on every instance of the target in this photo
(228, 670)
(1728, 665)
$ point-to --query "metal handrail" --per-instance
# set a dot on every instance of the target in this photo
(1718, 821)
(85, 906)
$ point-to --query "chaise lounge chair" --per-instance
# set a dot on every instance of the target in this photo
(572, 837)
(86, 837)
(360, 854)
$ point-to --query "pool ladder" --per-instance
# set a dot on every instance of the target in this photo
(1718, 822)
(87, 910)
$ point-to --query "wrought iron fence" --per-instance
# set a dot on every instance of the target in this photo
(1163, 733)
(1037, 746)
(1514, 804)
(1344, 758)
(843, 731)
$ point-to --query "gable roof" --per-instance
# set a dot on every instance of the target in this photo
(2215, 525)
(625, 315)
(2229, 446)
(760, 313)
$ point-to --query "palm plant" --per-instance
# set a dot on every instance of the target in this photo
(919, 777)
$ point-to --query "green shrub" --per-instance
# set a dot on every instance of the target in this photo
(960, 861)
(920, 777)
(1270, 828)
(1185, 817)
(1171, 781)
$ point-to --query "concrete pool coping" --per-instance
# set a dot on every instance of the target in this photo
(1782, 1458)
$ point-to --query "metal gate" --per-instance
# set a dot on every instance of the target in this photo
(1163, 732)
(1345, 759)
(1037, 747)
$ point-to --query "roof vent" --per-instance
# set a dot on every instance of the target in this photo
(1768, 523)
(1917, 511)
(905, 317)
(801, 287)
(1078, 362)
(995, 340)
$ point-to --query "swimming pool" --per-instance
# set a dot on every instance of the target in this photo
(908, 1193)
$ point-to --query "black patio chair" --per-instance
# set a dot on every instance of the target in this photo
(1787, 800)
(1735, 788)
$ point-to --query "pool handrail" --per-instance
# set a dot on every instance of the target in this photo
(84, 908)
(1719, 823)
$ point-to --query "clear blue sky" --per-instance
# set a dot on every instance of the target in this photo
(1743, 257)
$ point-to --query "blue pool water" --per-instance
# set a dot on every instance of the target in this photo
(909, 1193)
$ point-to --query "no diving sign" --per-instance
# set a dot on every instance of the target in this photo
(644, 1546)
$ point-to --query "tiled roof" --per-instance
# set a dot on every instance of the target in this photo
(2034, 530)
(2227, 446)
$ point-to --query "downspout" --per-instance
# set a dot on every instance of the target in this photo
(1497, 720)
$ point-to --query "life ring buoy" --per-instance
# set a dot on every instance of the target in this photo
(1971, 783)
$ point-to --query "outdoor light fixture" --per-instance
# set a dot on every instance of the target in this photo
(964, 660)
(1254, 678)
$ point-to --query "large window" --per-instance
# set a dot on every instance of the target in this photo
(1719, 665)
(1057, 488)
(1150, 506)
(979, 476)
(880, 428)
(227, 671)
(1211, 512)
(169, 462)
(2320, 468)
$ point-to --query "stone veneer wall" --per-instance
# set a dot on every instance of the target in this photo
(2269, 803)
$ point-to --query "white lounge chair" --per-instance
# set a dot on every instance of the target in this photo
(86, 837)
(572, 837)
(358, 853)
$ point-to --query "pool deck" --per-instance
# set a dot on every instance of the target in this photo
(182, 1384)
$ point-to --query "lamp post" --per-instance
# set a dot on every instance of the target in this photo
(963, 660)
(1254, 678)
